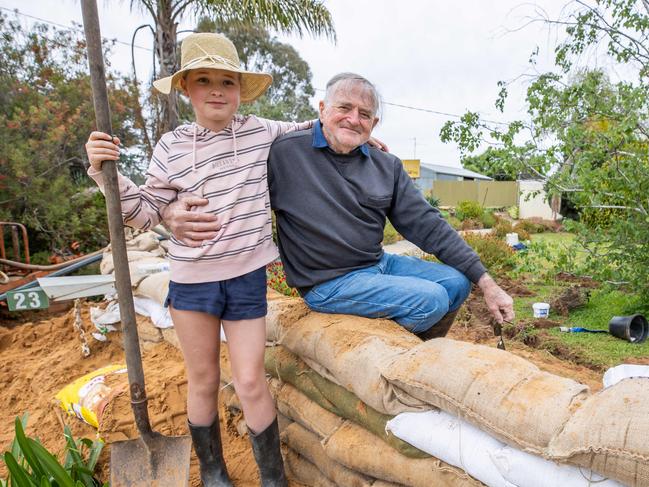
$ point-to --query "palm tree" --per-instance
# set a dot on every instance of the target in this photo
(288, 16)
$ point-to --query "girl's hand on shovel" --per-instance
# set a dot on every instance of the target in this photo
(102, 147)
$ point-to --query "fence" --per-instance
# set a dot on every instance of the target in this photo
(490, 194)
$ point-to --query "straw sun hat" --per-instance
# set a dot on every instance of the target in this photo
(214, 51)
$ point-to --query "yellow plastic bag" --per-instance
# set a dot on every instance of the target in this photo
(87, 396)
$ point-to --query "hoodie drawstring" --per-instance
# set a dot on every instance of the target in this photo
(234, 143)
(194, 148)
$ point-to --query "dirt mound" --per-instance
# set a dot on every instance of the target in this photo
(40, 358)
(572, 297)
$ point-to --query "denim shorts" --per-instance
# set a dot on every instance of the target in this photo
(239, 298)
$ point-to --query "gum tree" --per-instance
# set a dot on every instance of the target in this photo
(46, 115)
(588, 137)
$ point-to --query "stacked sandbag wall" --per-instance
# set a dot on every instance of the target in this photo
(502, 394)
(366, 371)
(326, 448)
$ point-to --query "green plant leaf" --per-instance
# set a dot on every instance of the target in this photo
(27, 451)
(45, 482)
(52, 465)
(15, 448)
(18, 475)
(95, 450)
(72, 449)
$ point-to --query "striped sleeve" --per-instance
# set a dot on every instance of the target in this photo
(276, 128)
(141, 206)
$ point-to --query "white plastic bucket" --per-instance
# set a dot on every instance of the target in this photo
(511, 239)
(541, 310)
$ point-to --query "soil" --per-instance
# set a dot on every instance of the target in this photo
(475, 324)
(41, 354)
(40, 357)
(572, 297)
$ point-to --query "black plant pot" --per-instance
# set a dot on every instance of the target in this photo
(633, 328)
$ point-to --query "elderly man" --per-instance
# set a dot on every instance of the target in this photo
(331, 194)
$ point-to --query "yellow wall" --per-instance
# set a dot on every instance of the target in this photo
(490, 194)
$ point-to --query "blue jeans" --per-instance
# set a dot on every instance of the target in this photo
(413, 292)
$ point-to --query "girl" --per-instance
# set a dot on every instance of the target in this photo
(222, 158)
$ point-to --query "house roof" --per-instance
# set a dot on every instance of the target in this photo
(455, 171)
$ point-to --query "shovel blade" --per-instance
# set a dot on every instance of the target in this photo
(161, 461)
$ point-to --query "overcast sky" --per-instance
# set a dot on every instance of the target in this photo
(445, 56)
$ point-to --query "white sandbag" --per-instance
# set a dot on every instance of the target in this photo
(453, 441)
(527, 470)
(625, 371)
(148, 307)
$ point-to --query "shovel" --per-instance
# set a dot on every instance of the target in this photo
(152, 459)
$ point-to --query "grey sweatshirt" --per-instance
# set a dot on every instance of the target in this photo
(331, 209)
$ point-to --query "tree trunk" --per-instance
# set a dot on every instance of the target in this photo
(165, 45)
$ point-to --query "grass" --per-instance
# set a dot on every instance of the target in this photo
(603, 348)
(596, 350)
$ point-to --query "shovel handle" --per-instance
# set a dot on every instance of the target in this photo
(115, 224)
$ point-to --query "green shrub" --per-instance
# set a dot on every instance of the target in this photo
(469, 209)
(513, 212)
(495, 254)
(594, 218)
(30, 464)
(530, 226)
(488, 219)
(432, 200)
(502, 228)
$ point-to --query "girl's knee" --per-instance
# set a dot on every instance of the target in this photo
(250, 386)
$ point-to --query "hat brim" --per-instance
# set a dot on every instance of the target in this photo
(253, 85)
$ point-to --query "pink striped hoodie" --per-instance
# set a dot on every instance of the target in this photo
(228, 168)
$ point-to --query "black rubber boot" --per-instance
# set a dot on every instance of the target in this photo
(268, 455)
(439, 329)
(207, 444)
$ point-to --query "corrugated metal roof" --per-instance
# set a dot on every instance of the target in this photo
(455, 171)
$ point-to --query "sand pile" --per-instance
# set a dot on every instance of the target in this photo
(39, 358)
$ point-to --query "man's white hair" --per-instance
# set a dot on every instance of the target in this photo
(343, 80)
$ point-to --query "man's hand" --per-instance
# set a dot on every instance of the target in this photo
(378, 144)
(498, 301)
(190, 227)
